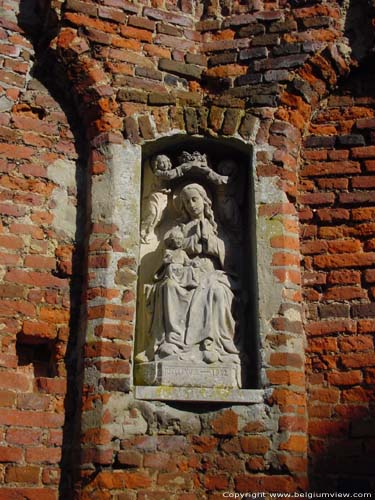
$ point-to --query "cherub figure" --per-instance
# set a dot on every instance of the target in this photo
(155, 204)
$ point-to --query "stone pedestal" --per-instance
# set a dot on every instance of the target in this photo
(182, 374)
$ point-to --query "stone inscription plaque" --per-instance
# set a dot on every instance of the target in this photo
(187, 375)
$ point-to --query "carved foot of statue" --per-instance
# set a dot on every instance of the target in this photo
(142, 357)
(210, 357)
(166, 350)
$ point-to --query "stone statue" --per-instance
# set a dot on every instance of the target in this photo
(164, 173)
(191, 302)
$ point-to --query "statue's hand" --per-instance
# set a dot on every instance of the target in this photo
(205, 229)
(185, 167)
(202, 167)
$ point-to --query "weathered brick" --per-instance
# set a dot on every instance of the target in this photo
(344, 260)
(188, 70)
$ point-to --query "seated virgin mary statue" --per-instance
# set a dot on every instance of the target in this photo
(191, 301)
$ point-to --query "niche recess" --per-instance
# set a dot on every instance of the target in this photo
(196, 329)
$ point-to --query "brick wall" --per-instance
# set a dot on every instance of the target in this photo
(41, 202)
(254, 74)
(337, 230)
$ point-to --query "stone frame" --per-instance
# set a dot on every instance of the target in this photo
(243, 153)
(124, 169)
(115, 217)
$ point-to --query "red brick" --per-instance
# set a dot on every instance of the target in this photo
(29, 418)
(344, 277)
(344, 246)
(35, 232)
(314, 247)
(111, 311)
(286, 359)
(295, 443)
(122, 479)
(33, 401)
(344, 293)
(332, 168)
(356, 343)
(358, 360)
(15, 381)
(139, 34)
(225, 424)
(39, 329)
(29, 493)
(325, 395)
(258, 483)
(204, 444)
(230, 463)
(288, 398)
(363, 152)
(7, 399)
(333, 214)
(285, 242)
(257, 445)
(10, 454)
(330, 327)
(22, 474)
(353, 377)
(38, 261)
(256, 464)
(345, 260)
(11, 242)
(364, 182)
(108, 349)
(119, 331)
(321, 344)
(293, 424)
(52, 385)
(283, 377)
(54, 315)
(22, 437)
(331, 184)
(366, 326)
(43, 455)
(370, 165)
(160, 461)
(323, 428)
(354, 395)
(35, 279)
(216, 482)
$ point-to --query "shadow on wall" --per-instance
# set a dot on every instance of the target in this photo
(344, 459)
(359, 29)
(40, 24)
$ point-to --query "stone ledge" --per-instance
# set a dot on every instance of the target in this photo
(197, 394)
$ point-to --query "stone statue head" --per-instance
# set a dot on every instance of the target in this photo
(161, 163)
(174, 238)
(227, 167)
(205, 202)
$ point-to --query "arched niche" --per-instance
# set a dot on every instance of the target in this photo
(197, 284)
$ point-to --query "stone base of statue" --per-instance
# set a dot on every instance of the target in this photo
(182, 374)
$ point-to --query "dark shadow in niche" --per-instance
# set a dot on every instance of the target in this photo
(40, 24)
(217, 150)
(359, 29)
(39, 355)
